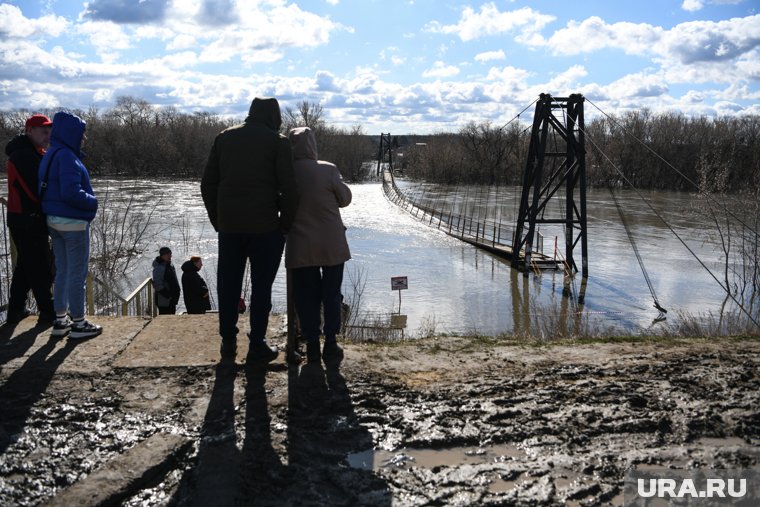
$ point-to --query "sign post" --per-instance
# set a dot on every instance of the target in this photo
(399, 283)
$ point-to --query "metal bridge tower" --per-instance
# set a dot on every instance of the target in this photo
(386, 149)
(540, 183)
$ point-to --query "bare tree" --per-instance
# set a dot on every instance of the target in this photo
(305, 114)
(486, 149)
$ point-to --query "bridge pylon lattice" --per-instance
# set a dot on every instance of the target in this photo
(385, 153)
(549, 172)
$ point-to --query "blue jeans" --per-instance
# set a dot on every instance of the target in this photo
(264, 252)
(315, 288)
(72, 257)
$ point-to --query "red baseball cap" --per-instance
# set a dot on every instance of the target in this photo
(38, 120)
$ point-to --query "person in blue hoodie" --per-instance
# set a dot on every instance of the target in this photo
(70, 205)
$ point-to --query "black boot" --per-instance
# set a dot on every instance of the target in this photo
(261, 352)
(228, 350)
(332, 353)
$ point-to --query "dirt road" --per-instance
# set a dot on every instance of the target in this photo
(443, 421)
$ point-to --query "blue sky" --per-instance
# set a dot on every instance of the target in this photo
(401, 66)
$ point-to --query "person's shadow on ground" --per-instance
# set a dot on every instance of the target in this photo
(322, 429)
(214, 478)
(13, 347)
(26, 385)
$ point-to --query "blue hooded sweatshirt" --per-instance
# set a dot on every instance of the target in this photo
(69, 193)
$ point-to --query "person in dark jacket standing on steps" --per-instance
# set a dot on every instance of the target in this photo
(250, 196)
(165, 283)
(70, 205)
(194, 288)
(27, 224)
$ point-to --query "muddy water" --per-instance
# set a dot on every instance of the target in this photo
(456, 288)
(430, 458)
(434, 459)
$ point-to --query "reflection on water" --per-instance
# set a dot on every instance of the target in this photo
(455, 287)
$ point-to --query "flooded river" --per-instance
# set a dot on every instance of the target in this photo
(457, 288)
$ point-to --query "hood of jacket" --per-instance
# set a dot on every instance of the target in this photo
(266, 111)
(68, 130)
(21, 141)
(189, 267)
(158, 260)
(303, 143)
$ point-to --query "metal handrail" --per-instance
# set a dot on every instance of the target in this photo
(460, 230)
(9, 251)
(135, 296)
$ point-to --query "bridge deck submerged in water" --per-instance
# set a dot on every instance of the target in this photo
(489, 235)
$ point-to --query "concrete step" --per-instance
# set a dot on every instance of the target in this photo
(127, 473)
(126, 342)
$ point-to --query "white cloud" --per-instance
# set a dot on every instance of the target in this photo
(695, 5)
(508, 83)
(490, 21)
(692, 5)
(333, 2)
(636, 86)
(594, 33)
(265, 30)
(14, 24)
(490, 55)
(693, 97)
(398, 60)
(704, 41)
(567, 81)
(182, 41)
(440, 69)
(688, 42)
(106, 38)
(325, 81)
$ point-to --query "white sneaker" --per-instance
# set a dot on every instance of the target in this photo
(61, 327)
(85, 329)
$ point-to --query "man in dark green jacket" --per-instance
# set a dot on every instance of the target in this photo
(250, 195)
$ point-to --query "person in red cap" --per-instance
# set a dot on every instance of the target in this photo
(26, 222)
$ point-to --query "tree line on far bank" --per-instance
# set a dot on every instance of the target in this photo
(720, 155)
(138, 139)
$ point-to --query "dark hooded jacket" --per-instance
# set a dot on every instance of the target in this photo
(69, 192)
(165, 283)
(194, 289)
(23, 167)
(248, 184)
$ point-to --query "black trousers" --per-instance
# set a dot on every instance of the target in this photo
(167, 310)
(34, 264)
(317, 288)
(264, 252)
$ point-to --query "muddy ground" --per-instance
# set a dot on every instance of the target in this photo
(441, 421)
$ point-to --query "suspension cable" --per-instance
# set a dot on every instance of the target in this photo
(680, 173)
(636, 251)
(518, 114)
(662, 219)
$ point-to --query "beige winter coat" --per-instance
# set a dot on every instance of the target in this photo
(317, 236)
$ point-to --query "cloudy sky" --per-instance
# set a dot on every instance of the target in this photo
(411, 66)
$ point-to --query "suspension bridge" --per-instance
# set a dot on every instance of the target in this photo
(521, 242)
(554, 172)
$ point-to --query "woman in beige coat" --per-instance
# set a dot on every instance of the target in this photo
(317, 247)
